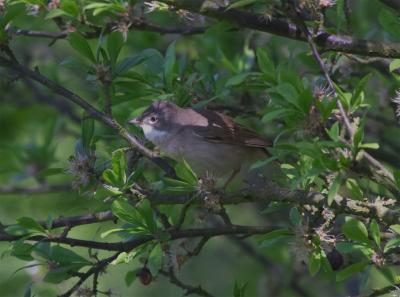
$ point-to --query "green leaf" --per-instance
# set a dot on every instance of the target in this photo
(275, 234)
(395, 64)
(239, 290)
(375, 233)
(54, 13)
(390, 22)
(334, 131)
(16, 230)
(241, 3)
(30, 224)
(350, 270)
(355, 230)
(265, 64)
(169, 65)
(371, 146)
(127, 213)
(185, 173)
(115, 42)
(130, 277)
(295, 217)
(237, 79)
(22, 250)
(350, 247)
(87, 133)
(333, 190)
(147, 214)
(11, 13)
(79, 43)
(111, 231)
(272, 115)
(314, 263)
(358, 137)
(128, 63)
(28, 290)
(155, 260)
(395, 228)
(354, 189)
(393, 243)
(70, 7)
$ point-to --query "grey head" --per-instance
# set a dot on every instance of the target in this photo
(157, 120)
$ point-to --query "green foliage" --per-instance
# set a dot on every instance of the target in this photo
(270, 84)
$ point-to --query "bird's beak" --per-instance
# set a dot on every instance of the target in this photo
(135, 121)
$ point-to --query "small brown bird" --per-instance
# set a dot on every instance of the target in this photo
(211, 143)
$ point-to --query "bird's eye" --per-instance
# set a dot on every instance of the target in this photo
(153, 119)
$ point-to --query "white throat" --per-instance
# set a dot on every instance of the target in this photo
(154, 135)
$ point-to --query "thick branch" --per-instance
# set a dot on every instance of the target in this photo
(130, 245)
(269, 24)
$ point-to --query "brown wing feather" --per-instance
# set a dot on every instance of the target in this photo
(223, 129)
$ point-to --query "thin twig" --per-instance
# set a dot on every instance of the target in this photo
(98, 267)
(189, 289)
(343, 113)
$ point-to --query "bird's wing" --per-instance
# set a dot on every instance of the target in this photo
(223, 129)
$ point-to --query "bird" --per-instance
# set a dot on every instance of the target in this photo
(212, 143)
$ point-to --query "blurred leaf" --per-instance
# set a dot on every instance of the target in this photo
(265, 64)
(127, 213)
(354, 189)
(237, 79)
(394, 64)
(185, 173)
(54, 13)
(393, 243)
(11, 13)
(333, 190)
(155, 260)
(390, 22)
(130, 277)
(314, 263)
(375, 233)
(87, 133)
(22, 250)
(128, 63)
(355, 230)
(79, 43)
(30, 224)
(358, 137)
(169, 65)
(395, 228)
(241, 3)
(333, 132)
(114, 46)
(350, 270)
(295, 217)
(239, 290)
(70, 7)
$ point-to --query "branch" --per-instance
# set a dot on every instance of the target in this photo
(132, 244)
(92, 111)
(268, 192)
(188, 288)
(395, 4)
(343, 113)
(43, 189)
(137, 24)
(383, 291)
(325, 40)
(96, 269)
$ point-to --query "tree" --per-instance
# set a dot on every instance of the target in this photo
(319, 84)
